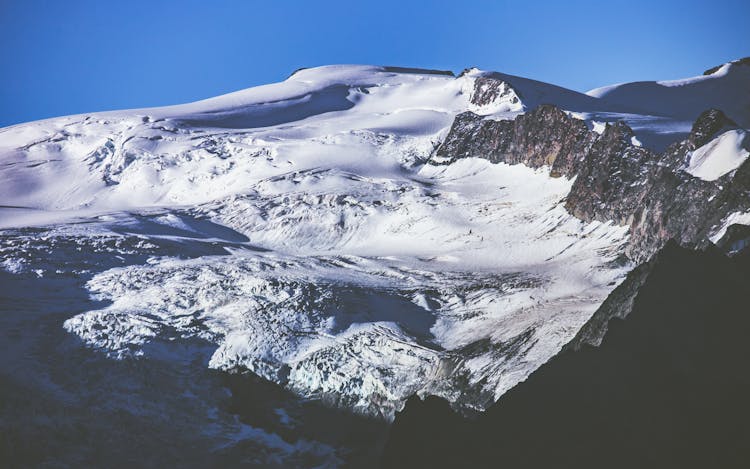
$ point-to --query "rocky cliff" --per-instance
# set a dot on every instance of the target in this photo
(616, 179)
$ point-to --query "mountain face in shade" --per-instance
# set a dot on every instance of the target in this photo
(224, 280)
(664, 387)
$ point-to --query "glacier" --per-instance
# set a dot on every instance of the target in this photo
(313, 242)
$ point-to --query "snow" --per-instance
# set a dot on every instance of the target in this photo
(720, 156)
(533, 93)
(684, 99)
(598, 127)
(346, 295)
(166, 158)
(317, 249)
(735, 218)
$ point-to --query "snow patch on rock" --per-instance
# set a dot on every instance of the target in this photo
(720, 156)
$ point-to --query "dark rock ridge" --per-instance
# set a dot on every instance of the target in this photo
(615, 178)
(421, 71)
(665, 388)
(545, 136)
(488, 90)
(396, 69)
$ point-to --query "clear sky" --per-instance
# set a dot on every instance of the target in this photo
(67, 57)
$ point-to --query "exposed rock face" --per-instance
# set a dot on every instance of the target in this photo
(489, 95)
(545, 136)
(707, 126)
(607, 184)
(666, 202)
(616, 179)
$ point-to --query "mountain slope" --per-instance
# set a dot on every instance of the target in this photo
(351, 236)
(663, 389)
(724, 88)
(327, 220)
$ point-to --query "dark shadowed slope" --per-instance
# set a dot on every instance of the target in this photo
(667, 387)
(725, 88)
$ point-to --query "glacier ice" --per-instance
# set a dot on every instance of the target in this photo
(310, 240)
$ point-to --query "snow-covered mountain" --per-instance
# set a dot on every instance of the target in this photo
(356, 234)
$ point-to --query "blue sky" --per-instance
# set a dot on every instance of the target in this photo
(81, 56)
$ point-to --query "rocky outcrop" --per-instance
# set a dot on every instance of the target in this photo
(650, 192)
(707, 126)
(616, 179)
(487, 91)
(664, 201)
(546, 136)
(489, 95)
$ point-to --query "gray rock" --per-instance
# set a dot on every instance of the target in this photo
(616, 180)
